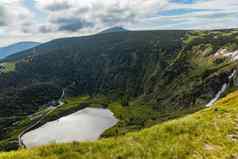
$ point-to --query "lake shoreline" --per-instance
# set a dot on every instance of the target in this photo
(87, 124)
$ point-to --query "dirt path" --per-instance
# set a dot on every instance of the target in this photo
(20, 142)
(51, 109)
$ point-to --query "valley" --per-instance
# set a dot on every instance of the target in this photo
(161, 91)
(209, 133)
(118, 79)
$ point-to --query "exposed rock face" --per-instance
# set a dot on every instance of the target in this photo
(224, 53)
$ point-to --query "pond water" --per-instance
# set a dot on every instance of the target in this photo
(85, 125)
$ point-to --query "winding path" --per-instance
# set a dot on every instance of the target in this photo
(51, 109)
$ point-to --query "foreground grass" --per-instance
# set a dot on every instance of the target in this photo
(205, 134)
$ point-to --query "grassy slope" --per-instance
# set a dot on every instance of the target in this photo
(195, 78)
(191, 75)
(136, 116)
(205, 134)
(132, 118)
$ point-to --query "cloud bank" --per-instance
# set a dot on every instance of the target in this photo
(74, 15)
(77, 17)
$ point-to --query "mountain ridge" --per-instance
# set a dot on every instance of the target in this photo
(165, 47)
(17, 47)
(113, 30)
(152, 76)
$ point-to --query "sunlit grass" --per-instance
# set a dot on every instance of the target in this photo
(200, 135)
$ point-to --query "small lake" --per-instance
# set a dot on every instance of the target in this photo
(85, 125)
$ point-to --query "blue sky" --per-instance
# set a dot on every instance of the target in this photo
(43, 20)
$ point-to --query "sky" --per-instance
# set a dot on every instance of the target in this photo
(44, 20)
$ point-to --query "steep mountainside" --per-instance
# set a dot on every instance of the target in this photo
(107, 63)
(150, 65)
(16, 48)
(152, 76)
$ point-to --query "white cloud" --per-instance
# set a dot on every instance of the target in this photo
(18, 19)
(89, 16)
(99, 13)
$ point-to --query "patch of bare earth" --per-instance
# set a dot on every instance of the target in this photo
(210, 147)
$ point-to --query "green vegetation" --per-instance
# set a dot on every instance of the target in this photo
(143, 77)
(209, 133)
(71, 105)
(8, 67)
(144, 65)
(27, 100)
(133, 117)
(13, 128)
(138, 116)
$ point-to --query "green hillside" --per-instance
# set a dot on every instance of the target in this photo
(209, 133)
(144, 77)
(146, 65)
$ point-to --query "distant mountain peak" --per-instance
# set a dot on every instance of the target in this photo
(113, 30)
(16, 48)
